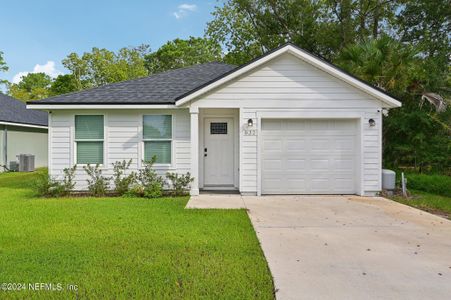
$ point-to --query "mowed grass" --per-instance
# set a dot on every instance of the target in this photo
(126, 248)
(433, 203)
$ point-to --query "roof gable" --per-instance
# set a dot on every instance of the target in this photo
(303, 55)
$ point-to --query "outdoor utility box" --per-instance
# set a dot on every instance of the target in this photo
(26, 163)
(388, 180)
(13, 166)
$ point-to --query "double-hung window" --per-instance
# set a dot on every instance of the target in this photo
(89, 139)
(157, 138)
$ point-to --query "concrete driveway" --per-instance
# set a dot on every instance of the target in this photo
(352, 248)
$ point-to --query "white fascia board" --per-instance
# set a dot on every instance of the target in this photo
(23, 125)
(88, 106)
(305, 57)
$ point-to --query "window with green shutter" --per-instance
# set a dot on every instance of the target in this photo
(157, 137)
(89, 137)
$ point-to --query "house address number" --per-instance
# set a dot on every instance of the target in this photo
(250, 132)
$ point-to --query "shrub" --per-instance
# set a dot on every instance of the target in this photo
(97, 185)
(46, 186)
(149, 184)
(435, 184)
(122, 182)
(180, 184)
(68, 181)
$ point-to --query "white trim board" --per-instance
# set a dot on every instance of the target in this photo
(23, 125)
(308, 58)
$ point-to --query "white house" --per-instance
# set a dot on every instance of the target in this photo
(286, 123)
(22, 131)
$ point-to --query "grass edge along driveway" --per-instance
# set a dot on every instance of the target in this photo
(126, 248)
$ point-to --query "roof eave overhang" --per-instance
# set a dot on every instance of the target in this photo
(61, 106)
(23, 125)
(389, 102)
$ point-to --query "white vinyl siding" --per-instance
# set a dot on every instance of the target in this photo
(123, 141)
(287, 85)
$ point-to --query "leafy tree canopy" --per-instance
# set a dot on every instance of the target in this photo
(415, 135)
(182, 53)
(64, 84)
(33, 86)
(102, 66)
(248, 28)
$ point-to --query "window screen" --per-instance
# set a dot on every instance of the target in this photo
(157, 136)
(218, 128)
(89, 139)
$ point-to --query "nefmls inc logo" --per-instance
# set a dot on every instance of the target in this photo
(41, 286)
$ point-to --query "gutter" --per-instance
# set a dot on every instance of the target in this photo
(22, 125)
(136, 105)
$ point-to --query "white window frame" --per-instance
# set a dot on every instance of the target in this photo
(171, 140)
(90, 140)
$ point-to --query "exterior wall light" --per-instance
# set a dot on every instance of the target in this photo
(250, 123)
(372, 122)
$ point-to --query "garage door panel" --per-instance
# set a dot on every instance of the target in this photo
(344, 185)
(319, 164)
(309, 156)
(271, 164)
(295, 145)
(296, 164)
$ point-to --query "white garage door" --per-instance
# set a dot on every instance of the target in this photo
(309, 156)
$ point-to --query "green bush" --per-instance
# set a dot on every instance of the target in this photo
(180, 184)
(98, 184)
(148, 184)
(435, 184)
(122, 182)
(46, 186)
(68, 180)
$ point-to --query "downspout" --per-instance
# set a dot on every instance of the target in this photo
(5, 147)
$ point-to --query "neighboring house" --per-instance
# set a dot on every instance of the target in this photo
(286, 123)
(22, 131)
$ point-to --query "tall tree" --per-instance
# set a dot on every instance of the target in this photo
(427, 25)
(182, 53)
(33, 86)
(3, 68)
(102, 66)
(415, 135)
(247, 28)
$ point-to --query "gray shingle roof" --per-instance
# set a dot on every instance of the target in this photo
(15, 111)
(161, 88)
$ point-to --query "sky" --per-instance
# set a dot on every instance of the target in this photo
(36, 35)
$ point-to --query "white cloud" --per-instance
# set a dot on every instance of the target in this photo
(184, 9)
(48, 68)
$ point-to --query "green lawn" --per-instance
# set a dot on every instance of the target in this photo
(126, 247)
(433, 203)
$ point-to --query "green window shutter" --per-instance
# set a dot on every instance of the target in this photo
(90, 153)
(161, 149)
(157, 127)
(88, 127)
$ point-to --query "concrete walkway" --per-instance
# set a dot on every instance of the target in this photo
(336, 247)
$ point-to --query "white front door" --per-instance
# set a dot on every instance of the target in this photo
(218, 152)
